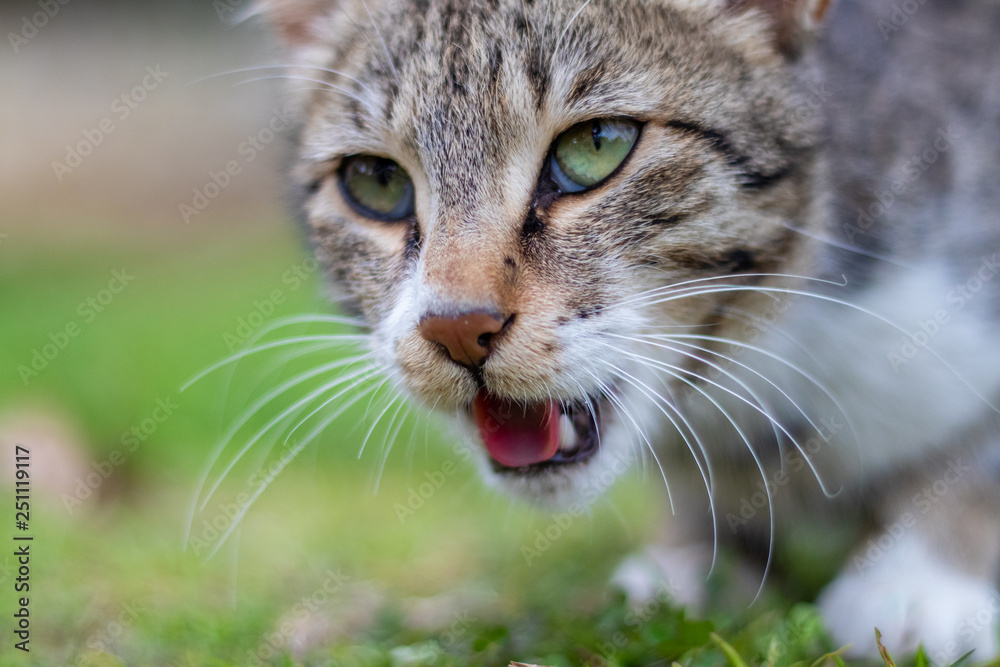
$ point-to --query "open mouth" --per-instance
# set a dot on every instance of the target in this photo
(524, 437)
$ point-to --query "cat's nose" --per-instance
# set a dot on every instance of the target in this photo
(466, 336)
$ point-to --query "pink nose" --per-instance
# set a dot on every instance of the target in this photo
(466, 336)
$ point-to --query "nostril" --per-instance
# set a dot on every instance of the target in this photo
(484, 339)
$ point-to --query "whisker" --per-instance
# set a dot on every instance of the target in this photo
(760, 404)
(334, 339)
(763, 325)
(390, 439)
(397, 396)
(846, 246)
(673, 369)
(272, 474)
(623, 411)
(325, 85)
(243, 70)
(566, 29)
(385, 48)
(675, 338)
(682, 286)
(708, 478)
(846, 304)
(364, 374)
(676, 373)
(245, 418)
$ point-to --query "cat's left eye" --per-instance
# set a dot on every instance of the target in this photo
(588, 153)
(377, 187)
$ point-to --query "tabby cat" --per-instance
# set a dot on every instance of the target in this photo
(752, 244)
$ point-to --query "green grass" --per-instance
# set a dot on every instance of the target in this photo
(446, 585)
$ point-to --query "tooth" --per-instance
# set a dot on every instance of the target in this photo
(567, 434)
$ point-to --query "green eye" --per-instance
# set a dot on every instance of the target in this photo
(377, 187)
(587, 153)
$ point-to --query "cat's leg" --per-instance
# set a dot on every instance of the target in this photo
(671, 572)
(930, 574)
(674, 568)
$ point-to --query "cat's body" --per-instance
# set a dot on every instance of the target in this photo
(659, 304)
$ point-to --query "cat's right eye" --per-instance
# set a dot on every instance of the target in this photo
(377, 187)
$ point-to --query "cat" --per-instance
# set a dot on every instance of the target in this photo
(750, 244)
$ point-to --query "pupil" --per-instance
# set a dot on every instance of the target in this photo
(383, 172)
(595, 133)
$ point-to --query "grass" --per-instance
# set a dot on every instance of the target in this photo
(323, 571)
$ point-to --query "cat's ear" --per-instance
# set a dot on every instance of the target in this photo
(296, 22)
(795, 21)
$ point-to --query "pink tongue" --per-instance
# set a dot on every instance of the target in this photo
(515, 434)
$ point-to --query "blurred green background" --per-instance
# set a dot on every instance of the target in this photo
(112, 295)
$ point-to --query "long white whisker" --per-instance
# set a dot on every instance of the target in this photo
(676, 372)
(763, 325)
(288, 321)
(363, 373)
(265, 371)
(390, 439)
(624, 412)
(846, 304)
(325, 85)
(245, 417)
(677, 338)
(846, 246)
(734, 378)
(243, 70)
(237, 520)
(773, 422)
(684, 285)
(708, 477)
(334, 339)
(394, 390)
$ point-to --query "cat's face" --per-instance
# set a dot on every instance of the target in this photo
(516, 194)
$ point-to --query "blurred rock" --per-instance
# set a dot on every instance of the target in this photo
(58, 458)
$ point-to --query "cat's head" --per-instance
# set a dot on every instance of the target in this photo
(524, 197)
